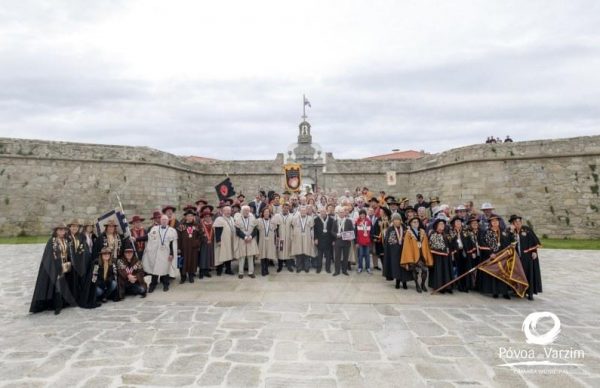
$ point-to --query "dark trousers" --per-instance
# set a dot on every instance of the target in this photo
(328, 254)
(227, 266)
(163, 279)
(302, 263)
(288, 264)
(341, 253)
(134, 289)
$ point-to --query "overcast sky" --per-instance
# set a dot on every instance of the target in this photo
(225, 79)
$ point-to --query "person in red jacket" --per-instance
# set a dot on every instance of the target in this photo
(363, 240)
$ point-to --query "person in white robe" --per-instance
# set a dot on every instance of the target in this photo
(246, 232)
(161, 249)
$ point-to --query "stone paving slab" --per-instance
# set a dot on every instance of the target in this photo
(297, 330)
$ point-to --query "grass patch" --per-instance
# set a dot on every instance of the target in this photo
(24, 240)
(556, 243)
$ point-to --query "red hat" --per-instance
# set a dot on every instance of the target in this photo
(201, 200)
(156, 214)
(164, 209)
(136, 219)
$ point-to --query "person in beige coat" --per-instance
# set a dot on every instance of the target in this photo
(267, 234)
(283, 221)
(303, 246)
(246, 232)
(226, 241)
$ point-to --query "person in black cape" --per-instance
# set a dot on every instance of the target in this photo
(464, 252)
(83, 267)
(442, 271)
(392, 245)
(527, 246)
(54, 285)
(494, 240)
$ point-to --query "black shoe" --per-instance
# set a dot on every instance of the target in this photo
(252, 276)
(495, 296)
(423, 287)
(377, 268)
(229, 272)
(57, 311)
(328, 270)
(336, 274)
(208, 275)
(298, 270)
(279, 269)
(418, 288)
(346, 273)
(191, 279)
(290, 269)
(240, 276)
(200, 275)
(104, 300)
(530, 297)
(307, 270)
(165, 287)
(397, 284)
(449, 291)
(151, 288)
(143, 295)
(319, 270)
(506, 296)
(182, 280)
(404, 285)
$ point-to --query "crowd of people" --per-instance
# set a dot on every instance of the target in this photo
(493, 140)
(428, 243)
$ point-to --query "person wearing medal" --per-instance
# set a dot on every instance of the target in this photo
(343, 240)
(188, 243)
(246, 232)
(266, 240)
(160, 252)
(303, 247)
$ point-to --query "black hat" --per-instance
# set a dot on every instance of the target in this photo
(436, 222)
(513, 218)
(455, 218)
(409, 208)
(473, 218)
(373, 199)
(390, 198)
(189, 211)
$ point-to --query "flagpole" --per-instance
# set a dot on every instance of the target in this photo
(131, 238)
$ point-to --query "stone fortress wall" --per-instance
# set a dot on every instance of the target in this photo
(552, 183)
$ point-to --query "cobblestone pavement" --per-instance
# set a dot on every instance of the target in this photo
(299, 330)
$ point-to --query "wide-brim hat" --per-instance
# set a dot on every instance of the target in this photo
(188, 207)
(434, 199)
(454, 219)
(136, 219)
(189, 211)
(167, 207)
(514, 217)
(208, 208)
(473, 218)
(74, 221)
(156, 214)
(436, 222)
(494, 217)
(89, 223)
(60, 225)
(128, 249)
(201, 200)
(106, 250)
(487, 206)
(409, 209)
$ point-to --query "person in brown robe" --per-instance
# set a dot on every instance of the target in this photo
(190, 236)
(416, 256)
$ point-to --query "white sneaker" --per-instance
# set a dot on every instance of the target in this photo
(359, 270)
(369, 271)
